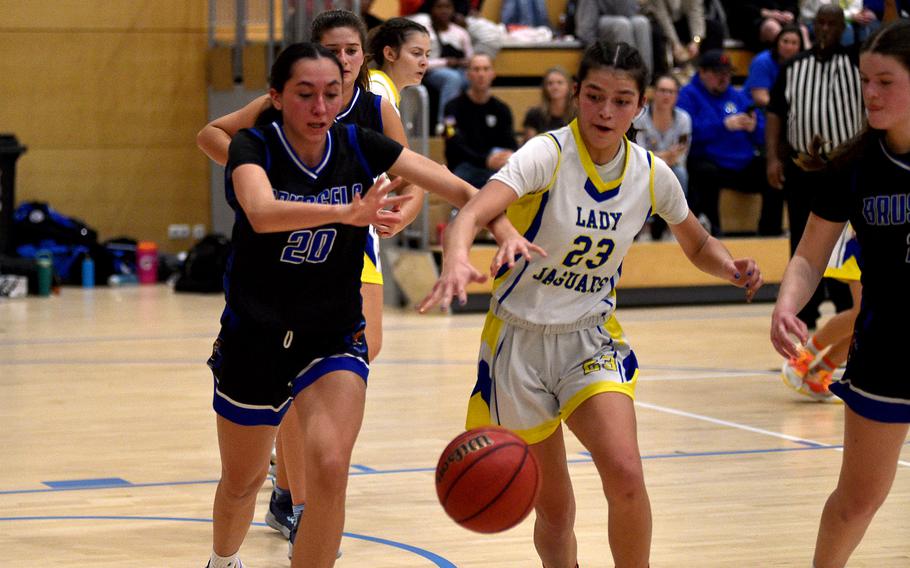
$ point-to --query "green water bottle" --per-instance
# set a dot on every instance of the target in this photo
(45, 262)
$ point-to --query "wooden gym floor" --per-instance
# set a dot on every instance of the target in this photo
(110, 460)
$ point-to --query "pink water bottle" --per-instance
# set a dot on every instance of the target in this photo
(147, 262)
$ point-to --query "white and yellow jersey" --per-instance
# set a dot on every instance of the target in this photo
(382, 85)
(586, 217)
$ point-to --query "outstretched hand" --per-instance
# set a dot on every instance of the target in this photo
(452, 283)
(744, 273)
(511, 249)
(370, 209)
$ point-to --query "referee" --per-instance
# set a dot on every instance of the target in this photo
(816, 105)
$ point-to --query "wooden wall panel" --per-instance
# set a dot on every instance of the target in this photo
(104, 89)
(137, 15)
(135, 192)
(108, 97)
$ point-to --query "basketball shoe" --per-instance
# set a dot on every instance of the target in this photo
(280, 515)
(801, 374)
(796, 368)
(238, 565)
(816, 383)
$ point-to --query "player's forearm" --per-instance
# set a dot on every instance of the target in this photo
(798, 284)
(282, 216)
(411, 209)
(214, 142)
(459, 235)
(711, 257)
(502, 229)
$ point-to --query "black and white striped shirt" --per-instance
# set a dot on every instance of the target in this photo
(819, 97)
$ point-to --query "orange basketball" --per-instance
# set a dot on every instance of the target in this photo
(487, 479)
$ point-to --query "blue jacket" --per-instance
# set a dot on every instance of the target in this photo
(732, 150)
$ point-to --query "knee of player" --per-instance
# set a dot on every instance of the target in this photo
(236, 484)
(556, 517)
(623, 478)
(860, 504)
(331, 470)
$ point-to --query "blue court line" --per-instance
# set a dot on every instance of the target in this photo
(87, 483)
(431, 556)
(360, 470)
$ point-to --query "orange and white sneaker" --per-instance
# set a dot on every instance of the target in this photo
(816, 383)
(796, 368)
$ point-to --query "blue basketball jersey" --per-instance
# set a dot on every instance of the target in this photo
(309, 277)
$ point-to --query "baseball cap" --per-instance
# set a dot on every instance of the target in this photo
(715, 60)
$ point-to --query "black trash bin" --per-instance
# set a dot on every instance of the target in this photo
(10, 150)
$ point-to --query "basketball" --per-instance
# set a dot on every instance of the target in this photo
(487, 479)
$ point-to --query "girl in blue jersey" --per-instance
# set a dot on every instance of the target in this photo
(552, 349)
(868, 187)
(303, 193)
(343, 33)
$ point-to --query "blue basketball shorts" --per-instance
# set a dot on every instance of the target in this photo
(258, 372)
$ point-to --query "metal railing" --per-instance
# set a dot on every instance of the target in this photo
(415, 117)
(275, 23)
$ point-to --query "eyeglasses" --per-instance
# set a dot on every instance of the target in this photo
(667, 91)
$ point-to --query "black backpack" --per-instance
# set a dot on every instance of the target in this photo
(203, 269)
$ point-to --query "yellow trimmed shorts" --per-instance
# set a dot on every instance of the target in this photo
(528, 379)
(372, 267)
(844, 262)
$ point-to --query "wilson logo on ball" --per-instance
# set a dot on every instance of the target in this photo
(473, 445)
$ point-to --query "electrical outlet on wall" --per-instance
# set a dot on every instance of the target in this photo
(199, 230)
(178, 231)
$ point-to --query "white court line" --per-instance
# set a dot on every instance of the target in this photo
(695, 375)
(761, 431)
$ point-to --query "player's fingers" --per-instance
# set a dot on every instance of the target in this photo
(395, 201)
(431, 299)
(537, 249)
(477, 276)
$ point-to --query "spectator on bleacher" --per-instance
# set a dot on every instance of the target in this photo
(757, 22)
(450, 50)
(615, 21)
(557, 106)
(478, 127)
(873, 15)
(486, 36)
(766, 65)
(531, 13)
(816, 105)
(666, 130)
(685, 28)
(399, 48)
(727, 135)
